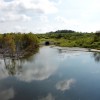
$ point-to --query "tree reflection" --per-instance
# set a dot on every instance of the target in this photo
(60, 50)
(96, 56)
(12, 66)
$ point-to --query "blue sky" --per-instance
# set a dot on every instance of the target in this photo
(40, 16)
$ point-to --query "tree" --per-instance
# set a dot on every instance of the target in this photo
(9, 44)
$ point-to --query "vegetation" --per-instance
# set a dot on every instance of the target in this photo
(72, 39)
(18, 45)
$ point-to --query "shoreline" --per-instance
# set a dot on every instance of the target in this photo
(56, 47)
(95, 50)
(76, 49)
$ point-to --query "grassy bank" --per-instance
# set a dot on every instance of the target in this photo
(84, 40)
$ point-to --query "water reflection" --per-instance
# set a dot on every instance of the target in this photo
(12, 66)
(65, 85)
(33, 68)
(96, 56)
(50, 75)
(37, 69)
(7, 94)
(3, 71)
(48, 97)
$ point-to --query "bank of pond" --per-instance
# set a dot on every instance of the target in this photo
(18, 45)
(84, 40)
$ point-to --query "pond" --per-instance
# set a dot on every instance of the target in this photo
(51, 74)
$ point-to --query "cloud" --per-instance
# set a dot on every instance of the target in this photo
(92, 10)
(43, 6)
(48, 97)
(64, 21)
(7, 94)
(9, 17)
(57, 2)
(60, 14)
(47, 6)
(20, 29)
(14, 12)
(65, 85)
(47, 28)
(44, 18)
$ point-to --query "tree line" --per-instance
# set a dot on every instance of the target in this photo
(17, 44)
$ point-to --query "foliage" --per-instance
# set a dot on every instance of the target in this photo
(72, 39)
(11, 43)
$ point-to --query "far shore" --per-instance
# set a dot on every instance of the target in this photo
(76, 49)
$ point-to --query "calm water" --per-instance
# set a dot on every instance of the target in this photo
(51, 74)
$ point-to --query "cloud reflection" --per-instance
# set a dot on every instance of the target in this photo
(65, 85)
(3, 72)
(36, 73)
(7, 94)
(69, 53)
(42, 67)
(48, 97)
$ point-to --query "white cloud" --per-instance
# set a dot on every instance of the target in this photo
(44, 6)
(20, 29)
(92, 10)
(75, 15)
(47, 7)
(57, 2)
(47, 28)
(9, 17)
(64, 21)
(44, 18)
(18, 12)
(65, 85)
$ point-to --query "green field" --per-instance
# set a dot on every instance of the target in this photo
(73, 39)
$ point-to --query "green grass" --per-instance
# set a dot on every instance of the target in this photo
(89, 40)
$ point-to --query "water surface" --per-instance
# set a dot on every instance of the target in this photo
(51, 74)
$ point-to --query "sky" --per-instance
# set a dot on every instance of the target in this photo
(39, 16)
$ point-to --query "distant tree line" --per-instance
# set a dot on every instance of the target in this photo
(63, 31)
